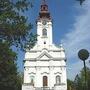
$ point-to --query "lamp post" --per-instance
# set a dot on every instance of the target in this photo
(83, 54)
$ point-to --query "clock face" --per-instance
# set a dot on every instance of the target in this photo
(44, 22)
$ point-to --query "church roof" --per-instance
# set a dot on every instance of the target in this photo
(44, 13)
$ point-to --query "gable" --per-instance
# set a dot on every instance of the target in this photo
(44, 56)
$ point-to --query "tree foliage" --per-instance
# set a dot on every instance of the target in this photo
(14, 27)
(78, 83)
(9, 76)
(70, 85)
(80, 80)
(14, 30)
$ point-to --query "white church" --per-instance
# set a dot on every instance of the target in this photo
(45, 63)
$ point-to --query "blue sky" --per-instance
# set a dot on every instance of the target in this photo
(71, 27)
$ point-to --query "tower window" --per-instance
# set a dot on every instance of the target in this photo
(44, 32)
(58, 79)
(44, 8)
(44, 42)
(32, 80)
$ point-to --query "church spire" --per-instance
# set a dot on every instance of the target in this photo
(44, 13)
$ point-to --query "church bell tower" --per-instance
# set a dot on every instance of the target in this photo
(44, 26)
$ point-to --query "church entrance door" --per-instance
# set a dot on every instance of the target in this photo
(45, 81)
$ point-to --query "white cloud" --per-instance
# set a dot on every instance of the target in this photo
(78, 38)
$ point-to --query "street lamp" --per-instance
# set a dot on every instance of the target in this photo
(83, 54)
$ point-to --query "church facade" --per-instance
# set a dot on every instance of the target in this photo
(45, 63)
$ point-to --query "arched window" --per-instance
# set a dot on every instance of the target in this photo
(45, 81)
(58, 79)
(44, 32)
(32, 80)
(44, 8)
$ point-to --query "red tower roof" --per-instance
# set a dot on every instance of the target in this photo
(44, 13)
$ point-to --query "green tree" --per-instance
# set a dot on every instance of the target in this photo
(14, 27)
(14, 30)
(88, 78)
(82, 74)
(9, 76)
(70, 85)
(79, 81)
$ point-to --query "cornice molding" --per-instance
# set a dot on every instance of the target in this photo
(38, 59)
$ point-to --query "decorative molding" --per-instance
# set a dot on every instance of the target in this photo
(59, 59)
(44, 66)
(50, 58)
(45, 73)
(57, 73)
(30, 59)
(32, 73)
(44, 53)
(61, 84)
(44, 37)
(45, 49)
